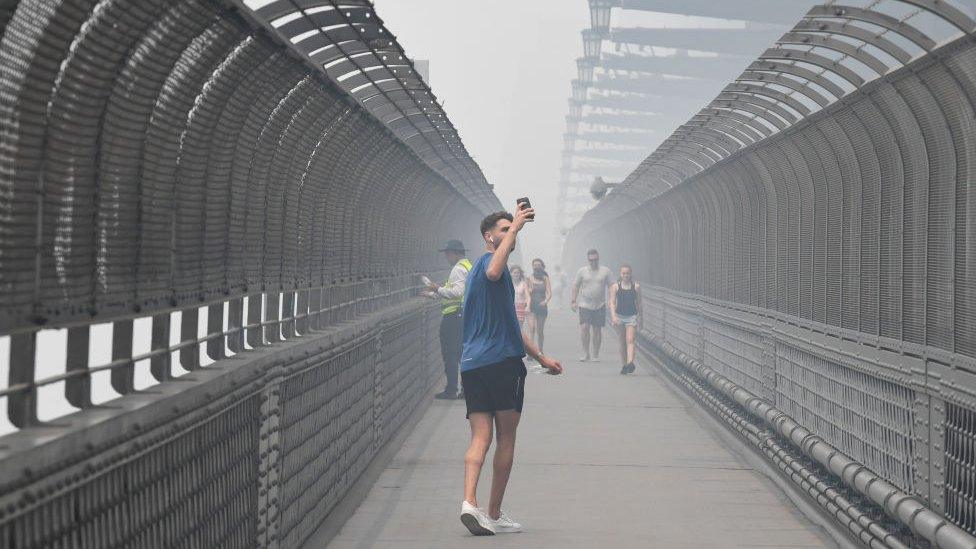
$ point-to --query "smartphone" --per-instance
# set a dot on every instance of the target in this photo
(523, 204)
(425, 280)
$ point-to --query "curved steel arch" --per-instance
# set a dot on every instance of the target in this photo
(680, 168)
(737, 117)
(814, 25)
(200, 189)
(722, 138)
(759, 112)
(768, 93)
(694, 144)
(884, 20)
(350, 44)
(825, 41)
(825, 63)
(778, 78)
(740, 132)
(779, 67)
(738, 121)
(663, 172)
(946, 11)
(751, 105)
(692, 151)
(709, 137)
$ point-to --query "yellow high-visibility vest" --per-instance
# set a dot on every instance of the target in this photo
(453, 305)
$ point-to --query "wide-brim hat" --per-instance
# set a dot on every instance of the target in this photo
(453, 246)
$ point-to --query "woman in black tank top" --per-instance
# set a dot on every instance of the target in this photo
(626, 315)
(540, 291)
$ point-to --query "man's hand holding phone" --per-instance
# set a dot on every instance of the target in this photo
(524, 212)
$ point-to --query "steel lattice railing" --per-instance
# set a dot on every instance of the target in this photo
(222, 242)
(827, 267)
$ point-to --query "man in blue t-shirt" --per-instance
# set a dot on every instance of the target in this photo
(492, 371)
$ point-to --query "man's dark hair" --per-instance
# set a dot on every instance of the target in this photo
(592, 251)
(489, 221)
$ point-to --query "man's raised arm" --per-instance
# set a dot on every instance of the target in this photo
(499, 259)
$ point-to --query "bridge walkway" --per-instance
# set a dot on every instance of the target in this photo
(603, 460)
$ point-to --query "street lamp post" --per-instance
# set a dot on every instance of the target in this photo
(585, 69)
(572, 124)
(575, 109)
(600, 14)
(579, 91)
(592, 44)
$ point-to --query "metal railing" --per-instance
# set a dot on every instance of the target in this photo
(825, 268)
(869, 406)
(219, 247)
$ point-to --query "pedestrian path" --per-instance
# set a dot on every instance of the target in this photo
(602, 461)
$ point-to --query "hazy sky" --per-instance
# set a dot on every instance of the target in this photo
(503, 70)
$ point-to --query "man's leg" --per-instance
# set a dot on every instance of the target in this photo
(506, 423)
(474, 458)
(597, 339)
(585, 339)
(447, 352)
(452, 361)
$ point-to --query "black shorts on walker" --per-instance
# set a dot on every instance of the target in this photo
(593, 317)
(495, 387)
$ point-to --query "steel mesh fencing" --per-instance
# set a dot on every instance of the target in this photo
(866, 406)
(195, 489)
(829, 267)
(223, 244)
(960, 441)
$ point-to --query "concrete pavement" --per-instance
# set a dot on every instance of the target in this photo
(602, 460)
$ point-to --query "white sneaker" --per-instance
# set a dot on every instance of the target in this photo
(477, 521)
(506, 524)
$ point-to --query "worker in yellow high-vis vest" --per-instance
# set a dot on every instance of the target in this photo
(451, 294)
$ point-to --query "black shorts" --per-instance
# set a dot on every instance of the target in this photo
(495, 387)
(593, 317)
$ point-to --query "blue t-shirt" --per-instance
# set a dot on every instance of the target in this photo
(491, 329)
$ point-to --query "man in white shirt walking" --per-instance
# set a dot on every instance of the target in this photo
(451, 294)
(590, 299)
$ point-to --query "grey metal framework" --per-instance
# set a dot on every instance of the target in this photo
(808, 242)
(632, 84)
(248, 215)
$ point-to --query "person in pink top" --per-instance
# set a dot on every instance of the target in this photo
(522, 295)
